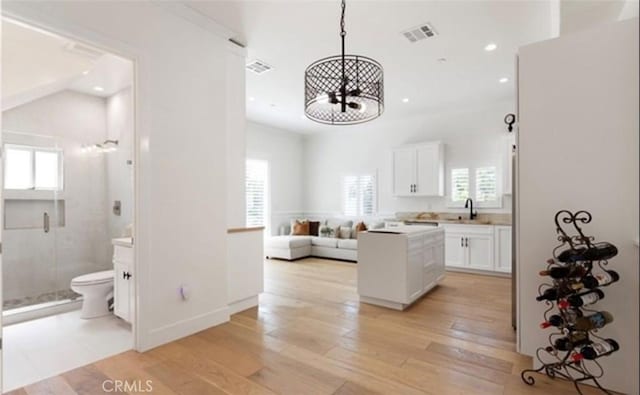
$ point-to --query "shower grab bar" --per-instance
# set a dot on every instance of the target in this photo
(46, 223)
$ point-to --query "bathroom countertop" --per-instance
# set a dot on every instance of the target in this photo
(123, 241)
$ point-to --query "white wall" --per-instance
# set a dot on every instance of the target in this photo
(119, 171)
(285, 152)
(578, 149)
(181, 160)
(36, 262)
(473, 137)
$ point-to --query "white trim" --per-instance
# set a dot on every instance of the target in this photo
(244, 304)
(183, 328)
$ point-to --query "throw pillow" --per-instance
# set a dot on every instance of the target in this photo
(314, 228)
(300, 228)
(360, 227)
(344, 232)
(326, 231)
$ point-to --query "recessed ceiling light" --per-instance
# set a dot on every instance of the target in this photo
(503, 80)
(98, 89)
(85, 72)
(252, 98)
(405, 100)
(490, 47)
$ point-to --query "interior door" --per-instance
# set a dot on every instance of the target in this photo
(428, 170)
(454, 254)
(480, 251)
(404, 167)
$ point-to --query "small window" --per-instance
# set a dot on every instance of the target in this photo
(256, 192)
(359, 195)
(32, 168)
(459, 185)
(486, 185)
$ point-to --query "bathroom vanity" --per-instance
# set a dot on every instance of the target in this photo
(124, 286)
(396, 266)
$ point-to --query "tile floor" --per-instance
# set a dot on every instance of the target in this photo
(37, 349)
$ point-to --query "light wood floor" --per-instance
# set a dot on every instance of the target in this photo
(310, 335)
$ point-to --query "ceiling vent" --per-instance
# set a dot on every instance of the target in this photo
(421, 32)
(83, 50)
(258, 66)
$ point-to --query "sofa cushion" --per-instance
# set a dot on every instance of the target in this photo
(344, 232)
(324, 242)
(348, 244)
(289, 241)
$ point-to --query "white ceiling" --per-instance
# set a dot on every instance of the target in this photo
(290, 35)
(36, 64)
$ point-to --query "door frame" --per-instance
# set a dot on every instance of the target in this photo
(50, 23)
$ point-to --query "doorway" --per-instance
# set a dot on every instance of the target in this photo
(67, 203)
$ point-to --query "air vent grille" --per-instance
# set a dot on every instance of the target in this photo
(258, 66)
(420, 32)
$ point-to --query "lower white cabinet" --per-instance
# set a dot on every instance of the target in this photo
(398, 265)
(123, 286)
(502, 250)
(476, 247)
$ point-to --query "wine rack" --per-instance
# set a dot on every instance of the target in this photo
(578, 271)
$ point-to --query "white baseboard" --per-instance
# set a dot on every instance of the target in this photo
(168, 333)
(242, 305)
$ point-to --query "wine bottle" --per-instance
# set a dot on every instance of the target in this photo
(558, 272)
(599, 280)
(572, 255)
(571, 341)
(551, 294)
(593, 321)
(557, 320)
(585, 298)
(600, 252)
(597, 350)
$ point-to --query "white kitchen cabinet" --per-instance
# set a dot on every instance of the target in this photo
(418, 170)
(469, 246)
(502, 252)
(124, 285)
(398, 265)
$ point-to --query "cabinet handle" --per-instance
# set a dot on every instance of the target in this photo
(462, 242)
(466, 242)
(126, 275)
(45, 222)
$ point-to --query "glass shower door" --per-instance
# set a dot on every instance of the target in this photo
(32, 214)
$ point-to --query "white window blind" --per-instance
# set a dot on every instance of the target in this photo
(359, 195)
(256, 192)
(459, 184)
(35, 168)
(486, 184)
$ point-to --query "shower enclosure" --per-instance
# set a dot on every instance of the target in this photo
(54, 219)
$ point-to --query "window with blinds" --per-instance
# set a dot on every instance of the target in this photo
(359, 195)
(256, 192)
(459, 185)
(486, 184)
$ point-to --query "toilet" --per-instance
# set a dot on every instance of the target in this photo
(96, 289)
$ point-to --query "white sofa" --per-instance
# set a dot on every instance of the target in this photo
(295, 247)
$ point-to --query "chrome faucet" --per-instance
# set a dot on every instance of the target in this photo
(469, 204)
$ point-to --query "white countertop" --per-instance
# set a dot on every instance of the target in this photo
(404, 229)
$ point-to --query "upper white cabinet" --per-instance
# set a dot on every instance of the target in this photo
(418, 170)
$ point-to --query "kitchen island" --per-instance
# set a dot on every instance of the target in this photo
(396, 266)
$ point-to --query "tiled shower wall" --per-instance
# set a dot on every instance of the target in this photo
(36, 263)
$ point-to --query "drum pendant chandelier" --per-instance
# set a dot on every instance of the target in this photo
(343, 89)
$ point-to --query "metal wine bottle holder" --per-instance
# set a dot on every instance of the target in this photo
(557, 363)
